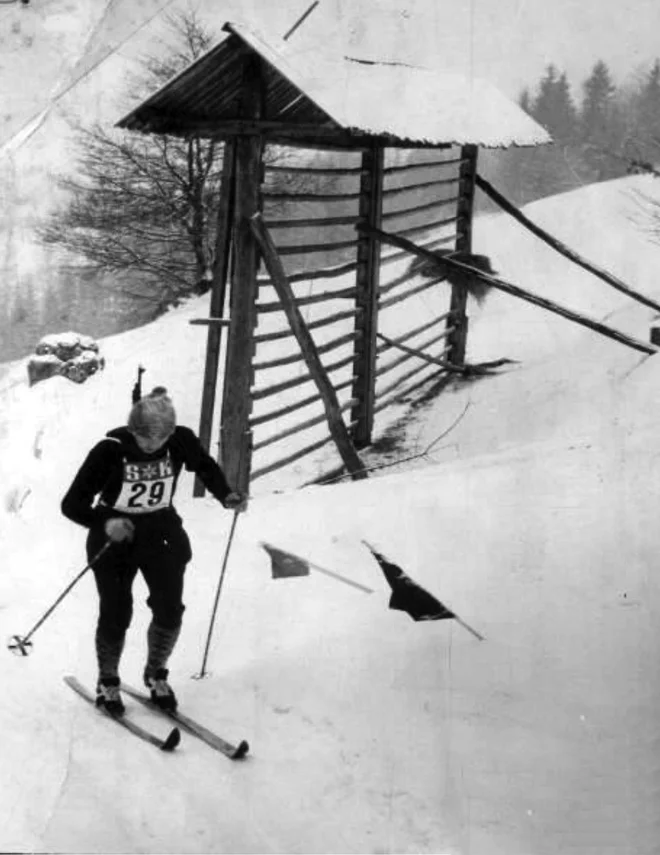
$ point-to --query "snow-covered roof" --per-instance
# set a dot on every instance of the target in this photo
(324, 96)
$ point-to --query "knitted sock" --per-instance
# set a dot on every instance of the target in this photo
(161, 642)
(108, 654)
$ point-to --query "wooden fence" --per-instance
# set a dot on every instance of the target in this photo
(366, 309)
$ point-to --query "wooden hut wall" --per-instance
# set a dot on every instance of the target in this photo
(311, 213)
(419, 202)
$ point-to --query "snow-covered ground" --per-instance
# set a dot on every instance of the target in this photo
(534, 519)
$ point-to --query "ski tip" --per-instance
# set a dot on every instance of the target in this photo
(172, 740)
(241, 750)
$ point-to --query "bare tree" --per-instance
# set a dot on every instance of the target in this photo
(145, 207)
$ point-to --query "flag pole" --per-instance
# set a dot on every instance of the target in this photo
(469, 628)
(340, 578)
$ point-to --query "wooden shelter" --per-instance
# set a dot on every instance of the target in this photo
(251, 93)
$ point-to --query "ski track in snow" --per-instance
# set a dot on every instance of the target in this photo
(534, 520)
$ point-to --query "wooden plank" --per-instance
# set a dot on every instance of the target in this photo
(209, 322)
(294, 429)
(237, 402)
(418, 289)
(326, 296)
(436, 243)
(409, 188)
(291, 458)
(305, 249)
(417, 331)
(561, 248)
(322, 322)
(336, 424)
(516, 291)
(296, 357)
(409, 167)
(367, 298)
(323, 273)
(266, 128)
(401, 280)
(419, 230)
(310, 197)
(464, 212)
(419, 209)
(218, 296)
(301, 379)
(296, 405)
(311, 223)
(336, 171)
(295, 134)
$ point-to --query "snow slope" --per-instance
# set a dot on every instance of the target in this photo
(533, 519)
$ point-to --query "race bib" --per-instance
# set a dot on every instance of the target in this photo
(146, 487)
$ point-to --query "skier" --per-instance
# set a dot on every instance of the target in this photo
(123, 493)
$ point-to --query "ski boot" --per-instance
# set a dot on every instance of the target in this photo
(108, 696)
(162, 694)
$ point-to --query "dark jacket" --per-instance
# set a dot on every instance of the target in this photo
(117, 470)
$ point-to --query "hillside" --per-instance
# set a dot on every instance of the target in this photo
(533, 519)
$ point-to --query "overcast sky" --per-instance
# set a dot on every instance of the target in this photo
(507, 41)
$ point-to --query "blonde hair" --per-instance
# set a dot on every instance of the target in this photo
(153, 416)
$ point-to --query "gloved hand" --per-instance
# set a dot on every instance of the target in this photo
(119, 529)
(235, 501)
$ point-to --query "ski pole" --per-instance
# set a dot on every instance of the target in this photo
(20, 644)
(202, 672)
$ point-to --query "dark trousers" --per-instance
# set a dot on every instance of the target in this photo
(160, 549)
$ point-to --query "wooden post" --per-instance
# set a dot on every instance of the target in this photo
(235, 436)
(367, 281)
(328, 395)
(218, 292)
(457, 338)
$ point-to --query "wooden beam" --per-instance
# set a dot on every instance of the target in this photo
(367, 281)
(306, 134)
(206, 322)
(218, 294)
(561, 248)
(464, 214)
(330, 402)
(410, 188)
(514, 290)
(235, 436)
(409, 167)
(300, 20)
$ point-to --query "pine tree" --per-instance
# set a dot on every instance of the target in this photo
(543, 108)
(601, 124)
(525, 101)
(565, 114)
(648, 115)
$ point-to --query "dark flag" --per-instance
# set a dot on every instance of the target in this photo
(408, 596)
(284, 565)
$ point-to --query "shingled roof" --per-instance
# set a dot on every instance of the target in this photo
(334, 98)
